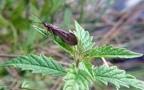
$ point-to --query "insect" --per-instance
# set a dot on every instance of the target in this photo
(67, 37)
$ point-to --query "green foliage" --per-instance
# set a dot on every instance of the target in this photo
(38, 64)
(84, 39)
(87, 67)
(111, 52)
(77, 79)
(3, 21)
(81, 74)
(115, 76)
(67, 17)
(15, 22)
(55, 5)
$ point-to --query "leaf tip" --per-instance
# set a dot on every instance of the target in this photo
(34, 26)
(140, 54)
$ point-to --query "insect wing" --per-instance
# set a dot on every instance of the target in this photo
(68, 37)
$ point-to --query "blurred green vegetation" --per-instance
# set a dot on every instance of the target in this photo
(108, 26)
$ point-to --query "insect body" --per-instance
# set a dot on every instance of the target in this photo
(68, 37)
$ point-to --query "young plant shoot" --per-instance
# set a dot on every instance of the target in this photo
(81, 73)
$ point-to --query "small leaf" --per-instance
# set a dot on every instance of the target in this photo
(117, 77)
(42, 31)
(77, 80)
(86, 66)
(84, 39)
(111, 52)
(38, 64)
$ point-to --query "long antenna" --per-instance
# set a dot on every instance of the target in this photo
(39, 19)
(37, 22)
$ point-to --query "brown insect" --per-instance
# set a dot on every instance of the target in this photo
(68, 37)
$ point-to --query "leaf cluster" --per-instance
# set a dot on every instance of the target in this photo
(81, 74)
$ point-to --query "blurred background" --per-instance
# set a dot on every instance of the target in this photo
(116, 22)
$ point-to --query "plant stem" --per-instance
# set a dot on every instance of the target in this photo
(103, 59)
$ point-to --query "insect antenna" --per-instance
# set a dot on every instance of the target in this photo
(39, 19)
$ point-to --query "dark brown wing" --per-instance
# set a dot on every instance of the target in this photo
(68, 37)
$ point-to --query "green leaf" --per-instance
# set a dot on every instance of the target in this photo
(77, 80)
(84, 39)
(17, 11)
(67, 17)
(31, 37)
(38, 64)
(42, 31)
(34, 9)
(3, 21)
(86, 66)
(56, 39)
(56, 5)
(111, 52)
(117, 77)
